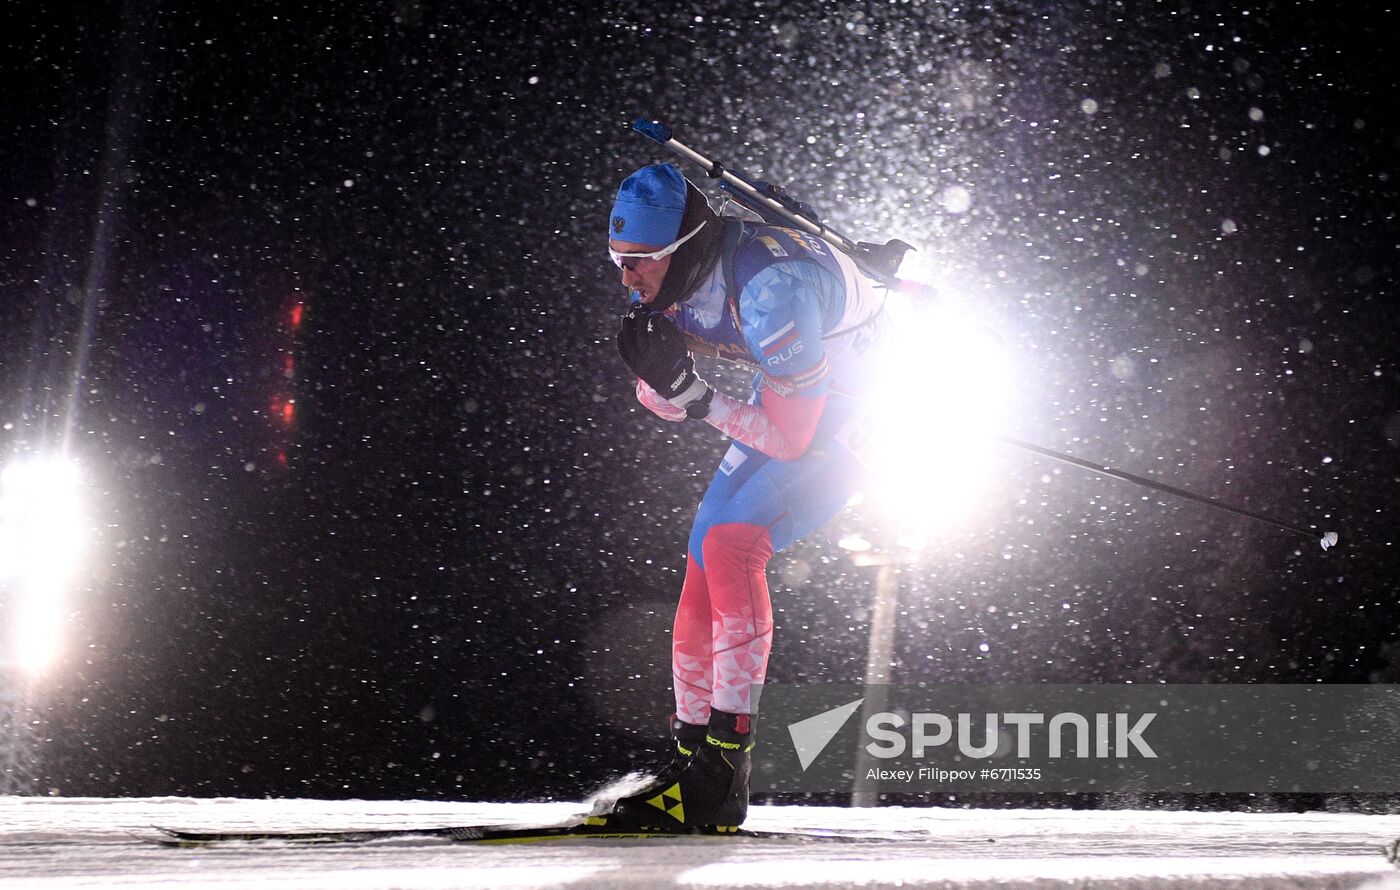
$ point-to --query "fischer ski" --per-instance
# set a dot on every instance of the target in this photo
(174, 837)
(593, 828)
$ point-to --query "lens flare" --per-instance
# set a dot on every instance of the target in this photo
(41, 541)
(945, 390)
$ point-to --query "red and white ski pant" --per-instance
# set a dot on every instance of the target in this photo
(755, 506)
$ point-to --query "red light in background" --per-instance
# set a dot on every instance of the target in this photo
(282, 412)
(283, 409)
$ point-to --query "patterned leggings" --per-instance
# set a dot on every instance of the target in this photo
(755, 506)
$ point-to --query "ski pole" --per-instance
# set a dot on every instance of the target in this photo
(1327, 540)
(766, 197)
(879, 261)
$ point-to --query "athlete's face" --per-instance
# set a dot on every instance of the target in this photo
(639, 273)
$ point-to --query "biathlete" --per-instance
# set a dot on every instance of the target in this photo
(812, 323)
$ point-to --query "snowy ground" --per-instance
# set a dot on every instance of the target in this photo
(60, 843)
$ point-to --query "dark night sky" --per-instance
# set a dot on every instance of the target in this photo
(460, 583)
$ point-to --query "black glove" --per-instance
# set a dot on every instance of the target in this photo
(654, 348)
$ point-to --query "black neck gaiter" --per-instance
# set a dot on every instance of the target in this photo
(692, 263)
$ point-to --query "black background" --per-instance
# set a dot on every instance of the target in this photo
(459, 585)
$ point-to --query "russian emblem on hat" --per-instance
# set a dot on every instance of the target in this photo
(618, 223)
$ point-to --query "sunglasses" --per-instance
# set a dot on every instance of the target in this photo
(620, 259)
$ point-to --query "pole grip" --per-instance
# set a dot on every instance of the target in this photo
(653, 130)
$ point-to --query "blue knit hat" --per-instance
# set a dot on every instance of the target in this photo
(649, 206)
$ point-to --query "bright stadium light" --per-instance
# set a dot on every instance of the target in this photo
(944, 393)
(41, 540)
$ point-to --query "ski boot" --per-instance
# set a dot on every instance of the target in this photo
(686, 739)
(709, 793)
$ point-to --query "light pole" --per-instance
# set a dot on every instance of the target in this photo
(879, 657)
(16, 738)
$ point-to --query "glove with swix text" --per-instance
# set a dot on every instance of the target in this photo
(654, 348)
